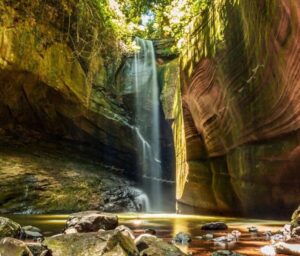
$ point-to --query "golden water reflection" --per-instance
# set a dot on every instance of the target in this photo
(168, 225)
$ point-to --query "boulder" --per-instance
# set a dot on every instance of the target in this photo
(252, 229)
(92, 221)
(13, 247)
(151, 245)
(214, 226)
(106, 243)
(9, 228)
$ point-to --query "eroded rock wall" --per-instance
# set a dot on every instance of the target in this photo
(55, 80)
(239, 148)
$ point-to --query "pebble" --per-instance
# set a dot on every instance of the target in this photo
(253, 229)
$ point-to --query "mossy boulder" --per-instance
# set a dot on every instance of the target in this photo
(153, 246)
(9, 228)
(106, 243)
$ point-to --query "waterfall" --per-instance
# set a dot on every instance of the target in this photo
(147, 107)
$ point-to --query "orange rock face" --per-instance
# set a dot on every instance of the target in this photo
(241, 110)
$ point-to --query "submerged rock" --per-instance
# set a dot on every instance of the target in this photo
(106, 243)
(225, 253)
(252, 229)
(92, 221)
(151, 245)
(13, 247)
(182, 238)
(214, 226)
(9, 228)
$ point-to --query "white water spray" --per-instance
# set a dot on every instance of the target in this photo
(147, 119)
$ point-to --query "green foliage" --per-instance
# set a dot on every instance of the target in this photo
(162, 19)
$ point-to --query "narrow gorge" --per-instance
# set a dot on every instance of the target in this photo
(156, 110)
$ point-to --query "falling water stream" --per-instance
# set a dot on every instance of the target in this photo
(147, 120)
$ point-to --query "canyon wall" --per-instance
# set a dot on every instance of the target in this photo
(57, 78)
(237, 111)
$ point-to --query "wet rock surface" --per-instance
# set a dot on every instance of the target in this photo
(149, 245)
(92, 221)
(106, 243)
(214, 226)
(236, 239)
(225, 253)
(182, 238)
(41, 176)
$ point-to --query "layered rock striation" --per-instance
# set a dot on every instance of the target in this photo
(237, 116)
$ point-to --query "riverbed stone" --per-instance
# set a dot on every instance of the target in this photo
(214, 226)
(31, 228)
(34, 235)
(225, 253)
(13, 247)
(9, 228)
(151, 245)
(92, 221)
(106, 243)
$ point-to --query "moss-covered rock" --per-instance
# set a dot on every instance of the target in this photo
(153, 246)
(40, 176)
(9, 228)
(108, 243)
(53, 84)
(237, 125)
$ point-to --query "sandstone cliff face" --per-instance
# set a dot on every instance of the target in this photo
(239, 149)
(54, 82)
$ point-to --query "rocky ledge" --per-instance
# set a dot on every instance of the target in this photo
(39, 176)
